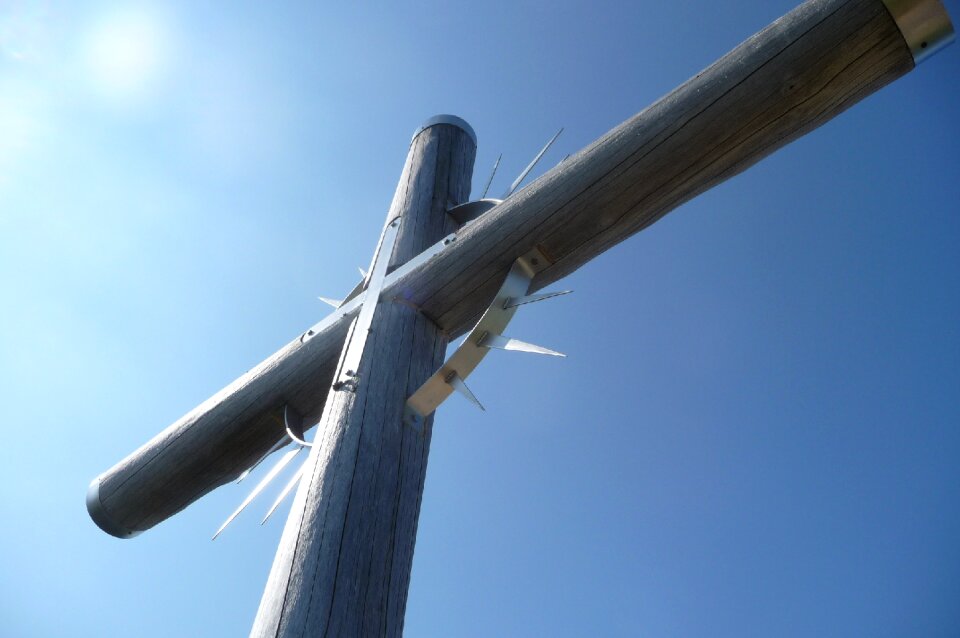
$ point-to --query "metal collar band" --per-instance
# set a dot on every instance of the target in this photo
(453, 120)
(925, 25)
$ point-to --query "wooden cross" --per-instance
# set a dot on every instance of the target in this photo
(372, 372)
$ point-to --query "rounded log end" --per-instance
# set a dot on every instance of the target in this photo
(99, 514)
(925, 25)
(452, 120)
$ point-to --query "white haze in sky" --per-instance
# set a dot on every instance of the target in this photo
(754, 433)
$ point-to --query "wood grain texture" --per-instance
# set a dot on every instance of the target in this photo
(790, 78)
(343, 564)
(217, 440)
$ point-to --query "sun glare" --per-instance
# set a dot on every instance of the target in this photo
(126, 54)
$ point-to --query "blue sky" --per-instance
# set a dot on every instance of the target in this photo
(757, 429)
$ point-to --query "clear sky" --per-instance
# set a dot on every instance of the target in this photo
(757, 429)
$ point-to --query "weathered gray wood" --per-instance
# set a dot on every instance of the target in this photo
(786, 80)
(793, 76)
(343, 564)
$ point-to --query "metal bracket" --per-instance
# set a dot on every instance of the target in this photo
(466, 213)
(347, 377)
(293, 424)
(485, 335)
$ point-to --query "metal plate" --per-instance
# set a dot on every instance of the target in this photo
(360, 330)
(470, 353)
(452, 120)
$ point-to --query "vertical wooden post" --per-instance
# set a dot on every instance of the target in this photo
(343, 564)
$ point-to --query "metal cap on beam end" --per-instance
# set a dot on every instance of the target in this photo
(452, 120)
(925, 25)
(99, 514)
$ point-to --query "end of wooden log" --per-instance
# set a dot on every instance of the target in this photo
(99, 514)
(924, 24)
(452, 120)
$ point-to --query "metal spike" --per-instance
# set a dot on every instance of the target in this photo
(530, 166)
(457, 384)
(363, 273)
(506, 343)
(282, 443)
(286, 490)
(513, 302)
(336, 303)
(282, 463)
(494, 172)
(356, 291)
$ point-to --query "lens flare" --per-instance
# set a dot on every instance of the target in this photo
(126, 54)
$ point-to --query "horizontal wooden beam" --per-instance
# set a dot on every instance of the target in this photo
(785, 81)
